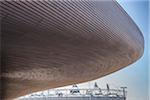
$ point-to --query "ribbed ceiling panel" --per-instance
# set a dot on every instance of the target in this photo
(54, 43)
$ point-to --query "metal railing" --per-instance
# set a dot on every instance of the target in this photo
(80, 93)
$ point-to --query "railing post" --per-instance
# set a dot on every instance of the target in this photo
(124, 92)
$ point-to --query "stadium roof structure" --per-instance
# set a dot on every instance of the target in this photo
(47, 44)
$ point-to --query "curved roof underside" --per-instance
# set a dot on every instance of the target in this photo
(46, 44)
